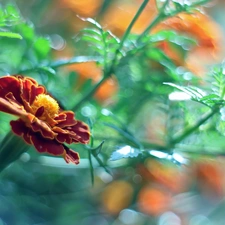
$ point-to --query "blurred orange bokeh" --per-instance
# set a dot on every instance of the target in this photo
(153, 201)
(90, 70)
(119, 15)
(210, 177)
(197, 25)
(87, 8)
(117, 196)
(164, 174)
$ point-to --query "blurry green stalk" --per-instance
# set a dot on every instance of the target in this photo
(108, 72)
(162, 15)
(11, 149)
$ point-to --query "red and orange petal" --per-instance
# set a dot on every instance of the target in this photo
(10, 84)
(20, 90)
(45, 133)
(42, 144)
(46, 145)
(11, 108)
(81, 132)
(30, 89)
(65, 119)
(71, 156)
(19, 128)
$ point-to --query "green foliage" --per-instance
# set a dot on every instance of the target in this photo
(9, 16)
(103, 42)
(125, 152)
(130, 60)
(146, 117)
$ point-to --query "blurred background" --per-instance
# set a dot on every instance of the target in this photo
(186, 187)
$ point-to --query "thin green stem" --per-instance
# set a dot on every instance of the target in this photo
(91, 163)
(11, 148)
(179, 137)
(222, 92)
(195, 4)
(161, 16)
(101, 164)
(105, 51)
(91, 167)
(140, 10)
(88, 95)
(109, 71)
(61, 63)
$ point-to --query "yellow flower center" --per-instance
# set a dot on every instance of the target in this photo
(51, 107)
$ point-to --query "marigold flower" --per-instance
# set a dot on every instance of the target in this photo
(41, 122)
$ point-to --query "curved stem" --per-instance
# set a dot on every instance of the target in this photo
(11, 149)
(62, 62)
(89, 94)
(110, 70)
(161, 16)
(140, 10)
(179, 137)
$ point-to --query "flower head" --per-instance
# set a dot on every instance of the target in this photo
(41, 122)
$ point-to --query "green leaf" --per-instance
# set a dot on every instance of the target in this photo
(92, 21)
(10, 35)
(72, 79)
(13, 11)
(97, 150)
(9, 16)
(194, 92)
(91, 32)
(125, 152)
(42, 47)
(26, 31)
(47, 69)
(92, 39)
(210, 97)
(124, 133)
(77, 59)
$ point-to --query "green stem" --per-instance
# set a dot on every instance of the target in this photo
(88, 95)
(140, 10)
(179, 137)
(200, 150)
(101, 164)
(63, 62)
(199, 3)
(91, 163)
(108, 72)
(11, 148)
(91, 168)
(222, 93)
(161, 16)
